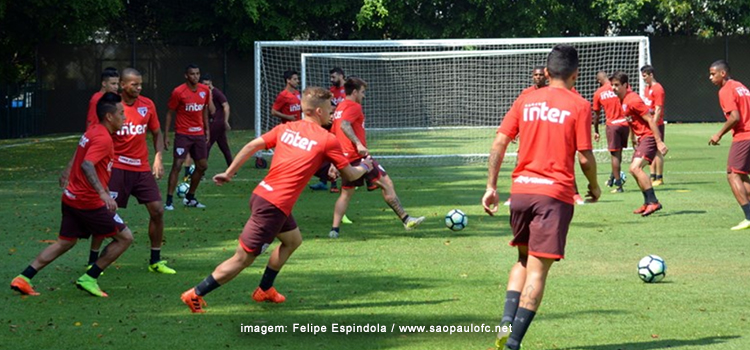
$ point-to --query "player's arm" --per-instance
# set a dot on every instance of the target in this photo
(167, 124)
(211, 105)
(225, 106)
(497, 153)
(65, 175)
(158, 167)
(597, 118)
(351, 173)
(732, 120)
(90, 171)
(242, 156)
(587, 161)
(206, 127)
(283, 116)
(657, 135)
(346, 127)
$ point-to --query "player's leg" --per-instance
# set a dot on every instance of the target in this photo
(22, 282)
(657, 167)
(179, 154)
(645, 152)
(738, 167)
(322, 175)
(198, 151)
(223, 143)
(339, 209)
(537, 270)
(290, 241)
(391, 198)
(156, 236)
(104, 223)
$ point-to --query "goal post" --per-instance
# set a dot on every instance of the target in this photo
(434, 100)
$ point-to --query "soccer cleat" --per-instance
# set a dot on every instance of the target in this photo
(617, 190)
(651, 208)
(345, 220)
(193, 203)
(169, 207)
(507, 203)
(269, 295)
(318, 187)
(333, 234)
(194, 301)
(657, 182)
(577, 198)
(641, 209)
(90, 285)
(23, 285)
(161, 267)
(412, 223)
(610, 181)
(744, 224)
(502, 337)
(88, 267)
(335, 190)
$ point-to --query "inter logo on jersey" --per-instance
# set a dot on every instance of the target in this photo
(143, 111)
(540, 111)
(293, 138)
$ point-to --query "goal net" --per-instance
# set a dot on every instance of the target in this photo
(437, 101)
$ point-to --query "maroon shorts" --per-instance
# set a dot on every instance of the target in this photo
(322, 172)
(661, 131)
(82, 223)
(541, 223)
(617, 137)
(646, 149)
(193, 144)
(265, 223)
(738, 160)
(375, 174)
(140, 184)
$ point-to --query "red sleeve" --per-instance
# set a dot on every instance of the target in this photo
(91, 117)
(153, 120)
(279, 103)
(597, 101)
(658, 96)
(353, 114)
(727, 101)
(509, 126)
(174, 100)
(583, 127)
(271, 137)
(206, 100)
(638, 107)
(99, 147)
(334, 152)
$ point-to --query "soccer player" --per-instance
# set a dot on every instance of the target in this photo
(559, 121)
(617, 128)
(110, 83)
(337, 89)
(87, 208)
(646, 139)
(131, 173)
(538, 78)
(287, 104)
(301, 147)
(349, 128)
(189, 101)
(734, 99)
(219, 119)
(654, 98)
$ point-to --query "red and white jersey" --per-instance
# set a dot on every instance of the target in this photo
(288, 103)
(95, 146)
(352, 112)
(131, 146)
(634, 108)
(189, 106)
(339, 94)
(91, 118)
(559, 123)
(529, 89)
(734, 96)
(655, 97)
(606, 99)
(301, 148)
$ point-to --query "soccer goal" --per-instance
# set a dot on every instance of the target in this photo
(437, 101)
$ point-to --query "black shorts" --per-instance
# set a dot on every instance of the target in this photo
(617, 137)
(195, 145)
(265, 223)
(646, 149)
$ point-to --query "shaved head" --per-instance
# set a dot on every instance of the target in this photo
(129, 74)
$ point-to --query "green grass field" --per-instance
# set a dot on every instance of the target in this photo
(379, 274)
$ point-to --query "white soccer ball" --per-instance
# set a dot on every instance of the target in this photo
(183, 189)
(652, 269)
(456, 220)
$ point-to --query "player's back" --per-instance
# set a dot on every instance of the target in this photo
(606, 99)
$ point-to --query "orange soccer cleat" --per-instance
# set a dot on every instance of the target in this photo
(269, 295)
(194, 301)
(23, 286)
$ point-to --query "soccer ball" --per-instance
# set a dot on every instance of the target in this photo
(183, 189)
(456, 220)
(652, 269)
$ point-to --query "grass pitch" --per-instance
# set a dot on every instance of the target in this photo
(379, 274)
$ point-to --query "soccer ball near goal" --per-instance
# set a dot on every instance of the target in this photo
(183, 189)
(652, 269)
(456, 220)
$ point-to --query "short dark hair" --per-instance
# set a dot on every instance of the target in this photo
(206, 76)
(191, 66)
(353, 83)
(108, 73)
(130, 71)
(648, 69)
(336, 70)
(562, 61)
(539, 67)
(107, 104)
(288, 74)
(721, 64)
(619, 76)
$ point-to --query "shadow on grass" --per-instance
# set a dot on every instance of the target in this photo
(608, 312)
(659, 344)
(683, 212)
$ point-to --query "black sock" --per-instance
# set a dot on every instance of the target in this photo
(645, 197)
(405, 218)
(512, 298)
(650, 196)
(187, 171)
(653, 176)
(520, 325)
(333, 184)
(206, 286)
(659, 177)
(268, 277)
(94, 271)
(155, 255)
(169, 199)
(335, 229)
(746, 210)
(189, 196)
(93, 255)
(29, 273)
